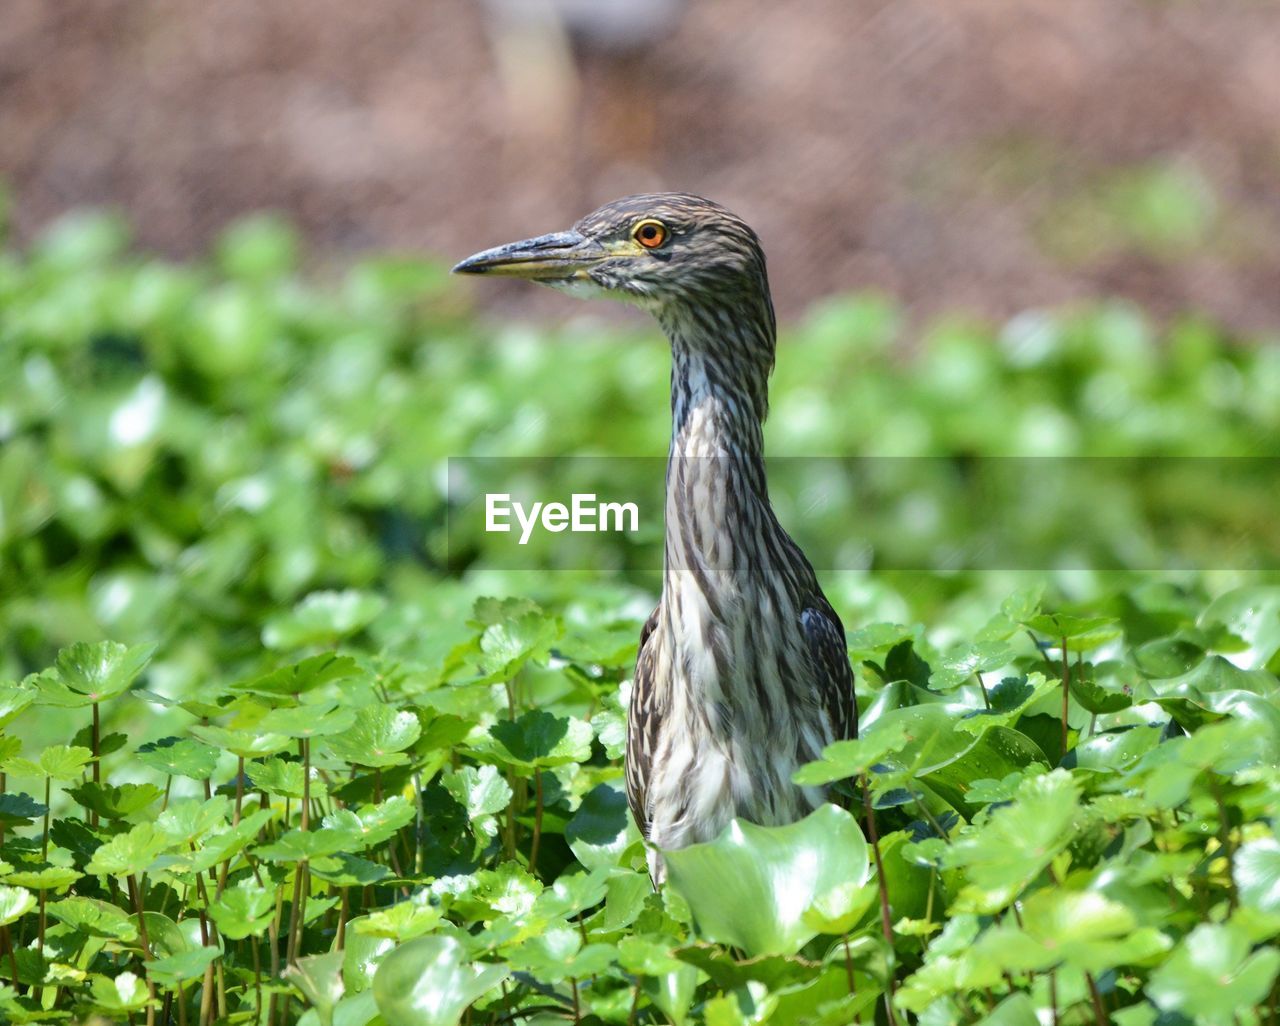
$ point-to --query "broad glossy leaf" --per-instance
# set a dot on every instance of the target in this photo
(248, 744)
(15, 902)
(601, 830)
(308, 721)
(372, 824)
(245, 910)
(319, 977)
(50, 878)
(1257, 874)
(115, 802)
(182, 966)
(323, 617)
(1082, 633)
(179, 757)
(1211, 975)
(429, 982)
(14, 698)
(18, 809)
(101, 670)
(361, 955)
(95, 918)
(129, 853)
(402, 921)
(1016, 841)
(118, 995)
(540, 738)
(961, 665)
(377, 738)
(298, 678)
(62, 762)
(1251, 613)
(751, 886)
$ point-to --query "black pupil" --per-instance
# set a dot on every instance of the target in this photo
(649, 232)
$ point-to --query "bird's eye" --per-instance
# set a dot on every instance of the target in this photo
(650, 234)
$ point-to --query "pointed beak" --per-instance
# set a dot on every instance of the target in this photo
(561, 256)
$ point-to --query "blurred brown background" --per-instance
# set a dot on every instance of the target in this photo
(985, 155)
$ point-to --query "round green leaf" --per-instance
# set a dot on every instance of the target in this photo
(751, 886)
(427, 982)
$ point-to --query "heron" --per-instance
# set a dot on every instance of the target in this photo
(742, 673)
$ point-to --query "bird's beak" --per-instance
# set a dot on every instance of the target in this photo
(561, 256)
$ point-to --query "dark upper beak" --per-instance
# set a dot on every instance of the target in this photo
(556, 257)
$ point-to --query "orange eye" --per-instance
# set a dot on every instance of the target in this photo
(650, 234)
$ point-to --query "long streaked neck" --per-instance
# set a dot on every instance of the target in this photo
(717, 497)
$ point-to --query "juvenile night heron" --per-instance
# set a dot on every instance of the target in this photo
(742, 674)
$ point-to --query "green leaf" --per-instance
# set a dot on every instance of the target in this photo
(17, 809)
(378, 738)
(14, 698)
(1015, 842)
(95, 918)
(542, 739)
(962, 665)
(247, 744)
(843, 759)
(245, 910)
(372, 824)
(15, 902)
(400, 922)
(64, 763)
(297, 679)
(1257, 874)
(1082, 633)
(319, 977)
(118, 995)
(427, 982)
(322, 618)
(308, 721)
(1211, 975)
(1015, 1010)
(508, 645)
(1251, 613)
(101, 670)
(129, 853)
(115, 802)
(601, 830)
(50, 878)
(182, 966)
(179, 757)
(362, 954)
(482, 791)
(752, 885)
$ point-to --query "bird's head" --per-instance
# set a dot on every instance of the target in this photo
(660, 250)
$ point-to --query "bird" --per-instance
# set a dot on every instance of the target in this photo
(742, 673)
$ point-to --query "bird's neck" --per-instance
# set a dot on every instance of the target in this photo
(717, 499)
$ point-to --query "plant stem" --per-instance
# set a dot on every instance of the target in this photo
(1066, 696)
(848, 966)
(882, 886)
(135, 891)
(537, 822)
(1224, 838)
(7, 942)
(97, 744)
(1053, 998)
(1099, 1009)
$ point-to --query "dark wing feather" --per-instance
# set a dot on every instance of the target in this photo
(642, 728)
(825, 634)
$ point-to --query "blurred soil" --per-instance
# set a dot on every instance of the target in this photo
(974, 154)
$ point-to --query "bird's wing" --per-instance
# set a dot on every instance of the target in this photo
(825, 634)
(642, 727)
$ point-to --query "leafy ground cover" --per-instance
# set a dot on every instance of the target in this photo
(269, 757)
